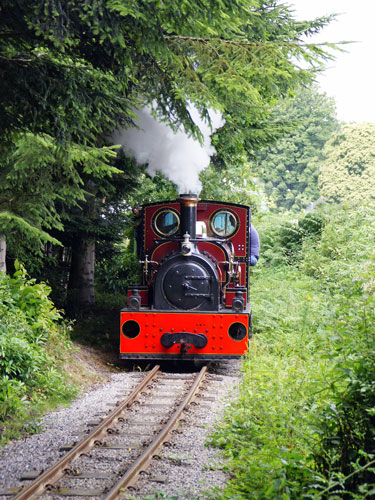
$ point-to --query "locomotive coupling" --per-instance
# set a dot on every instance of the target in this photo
(198, 340)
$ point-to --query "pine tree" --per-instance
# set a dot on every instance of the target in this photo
(74, 71)
(35, 177)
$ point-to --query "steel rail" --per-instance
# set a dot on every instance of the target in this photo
(130, 476)
(56, 471)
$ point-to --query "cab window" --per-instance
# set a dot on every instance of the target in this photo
(224, 223)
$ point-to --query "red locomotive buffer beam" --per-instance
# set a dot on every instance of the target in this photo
(203, 335)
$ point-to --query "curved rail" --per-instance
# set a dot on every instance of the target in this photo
(56, 471)
(143, 460)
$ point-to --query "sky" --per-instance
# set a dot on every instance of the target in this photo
(350, 79)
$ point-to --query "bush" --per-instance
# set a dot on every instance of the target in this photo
(29, 302)
(31, 336)
(282, 239)
(116, 274)
(303, 426)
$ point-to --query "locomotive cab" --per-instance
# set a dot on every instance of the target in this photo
(192, 301)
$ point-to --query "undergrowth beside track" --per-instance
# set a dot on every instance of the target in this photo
(303, 426)
(34, 351)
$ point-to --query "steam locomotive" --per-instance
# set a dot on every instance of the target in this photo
(193, 300)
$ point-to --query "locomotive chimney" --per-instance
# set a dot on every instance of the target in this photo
(188, 209)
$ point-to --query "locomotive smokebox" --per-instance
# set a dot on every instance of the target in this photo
(188, 211)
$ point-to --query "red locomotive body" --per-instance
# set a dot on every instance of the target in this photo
(193, 301)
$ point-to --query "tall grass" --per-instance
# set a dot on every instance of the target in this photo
(303, 425)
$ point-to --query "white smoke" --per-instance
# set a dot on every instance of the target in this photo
(179, 157)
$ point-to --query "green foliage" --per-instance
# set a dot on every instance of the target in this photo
(117, 265)
(347, 449)
(36, 177)
(96, 61)
(149, 190)
(348, 170)
(303, 425)
(115, 274)
(98, 213)
(292, 235)
(235, 179)
(29, 327)
(289, 168)
(283, 238)
(30, 300)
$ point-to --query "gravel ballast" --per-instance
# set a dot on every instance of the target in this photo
(185, 467)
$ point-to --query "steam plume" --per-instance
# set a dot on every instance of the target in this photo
(180, 157)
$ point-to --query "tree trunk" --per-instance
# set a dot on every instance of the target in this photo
(81, 295)
(3, 253)
(87, 268)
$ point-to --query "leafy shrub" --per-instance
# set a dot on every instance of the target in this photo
(269, 231)
(19, 359)
(116, 274)
(282, 239)
(13, 398)
(303, 425)
(293, 234)
(291, 237)
(346, 451)
(30, 301)
(30, 338)
(312, 224)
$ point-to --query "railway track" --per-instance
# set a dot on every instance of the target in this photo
(110, 459)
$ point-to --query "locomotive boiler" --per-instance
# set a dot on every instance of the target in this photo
(192, 302)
